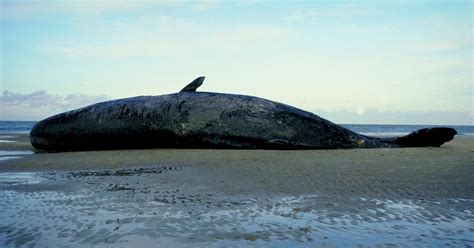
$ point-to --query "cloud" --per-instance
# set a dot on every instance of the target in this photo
(41, 98)
(40, 104)
(205, 5)
(302, 15)
(27, 9)
(167, 40)
(337, 11)
(445, 46)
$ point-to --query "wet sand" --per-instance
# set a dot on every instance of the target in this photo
(409, 196)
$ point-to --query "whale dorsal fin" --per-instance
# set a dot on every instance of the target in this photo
(191, 87)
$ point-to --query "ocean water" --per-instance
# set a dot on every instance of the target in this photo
(398, 130)
(367, 129)
(16, 126)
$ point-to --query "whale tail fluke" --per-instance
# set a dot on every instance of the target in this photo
(426, 137)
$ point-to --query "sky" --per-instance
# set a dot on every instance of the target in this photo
(361, 62)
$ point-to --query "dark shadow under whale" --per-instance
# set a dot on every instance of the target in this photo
(190, 119)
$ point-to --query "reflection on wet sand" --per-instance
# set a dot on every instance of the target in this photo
(135, 206)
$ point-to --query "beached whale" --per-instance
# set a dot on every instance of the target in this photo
(190, 119)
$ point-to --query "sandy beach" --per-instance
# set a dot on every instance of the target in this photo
(409, 196)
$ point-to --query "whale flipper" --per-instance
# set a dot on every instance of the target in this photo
(191, 87)
(426, 137)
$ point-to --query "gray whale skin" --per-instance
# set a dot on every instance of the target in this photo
(191, 119)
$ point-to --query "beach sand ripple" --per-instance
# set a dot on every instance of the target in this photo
(166, 197)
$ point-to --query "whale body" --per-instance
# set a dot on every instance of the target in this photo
(190, 119)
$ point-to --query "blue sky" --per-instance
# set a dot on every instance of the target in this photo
(400, 62)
